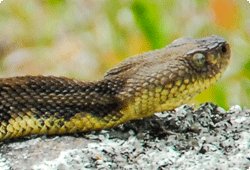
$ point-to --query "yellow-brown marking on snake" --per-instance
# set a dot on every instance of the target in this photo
(137, 87)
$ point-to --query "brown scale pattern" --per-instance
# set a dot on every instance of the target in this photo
(137, 87)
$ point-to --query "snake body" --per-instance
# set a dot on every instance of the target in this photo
(137, 87)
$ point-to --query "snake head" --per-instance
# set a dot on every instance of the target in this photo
(184, 68)
(207, 56)
(211, 56)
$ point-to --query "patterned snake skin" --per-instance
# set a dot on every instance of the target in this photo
(137, 87)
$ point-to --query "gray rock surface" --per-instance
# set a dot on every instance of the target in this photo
(206, 138)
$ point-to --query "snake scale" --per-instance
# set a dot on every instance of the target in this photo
(150, 82)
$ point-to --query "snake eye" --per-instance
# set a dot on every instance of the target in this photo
(199, 59)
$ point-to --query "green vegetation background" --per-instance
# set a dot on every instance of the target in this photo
(83, 39)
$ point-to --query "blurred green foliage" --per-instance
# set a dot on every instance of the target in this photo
(147, 15)
(84, 39)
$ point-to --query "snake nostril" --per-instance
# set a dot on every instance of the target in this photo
(224, 48)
